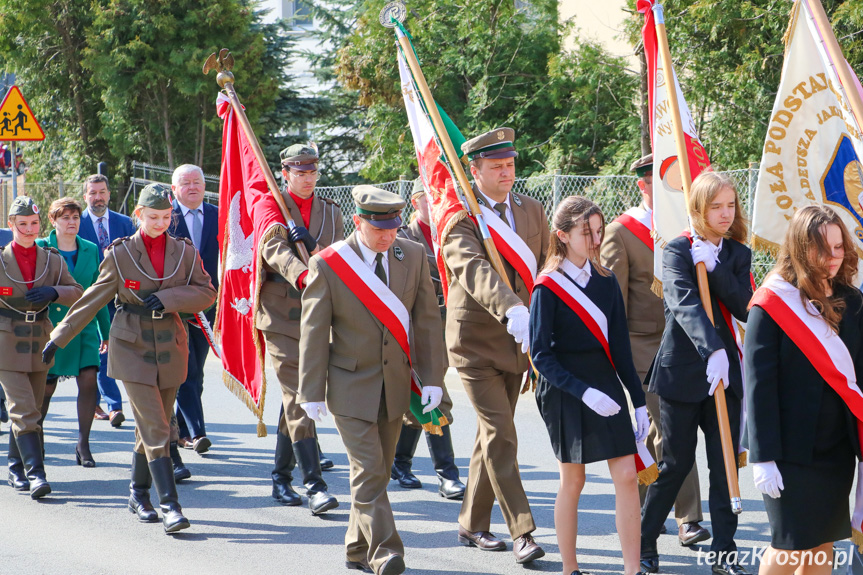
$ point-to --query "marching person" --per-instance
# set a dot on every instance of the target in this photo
(694, 357)
(278, 317)
(153, 277)
(579, 393)
(33, 278)
(627, 250)
(440, 446)
(374, 294)
(102, 226)
(487, 335)
(80, 359)
(804, 345)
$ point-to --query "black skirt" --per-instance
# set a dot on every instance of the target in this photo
(577, 433)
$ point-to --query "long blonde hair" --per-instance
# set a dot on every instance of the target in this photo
(804, 259)
(703, 191)
(573, 211)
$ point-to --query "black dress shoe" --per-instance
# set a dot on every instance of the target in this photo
(359, 566)
(691, 533)
(526, 549)
(649, 559)
(395, 565)
(451, 489)
(482, 539)
(726, 568)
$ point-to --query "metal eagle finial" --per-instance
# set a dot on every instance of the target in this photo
(223, 63)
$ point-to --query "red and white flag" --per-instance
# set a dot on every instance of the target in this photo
(248, 215)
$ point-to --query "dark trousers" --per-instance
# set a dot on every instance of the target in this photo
(107, 385)
(190, 411)
(680, 422)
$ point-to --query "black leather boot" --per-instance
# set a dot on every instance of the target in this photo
(326, 462)
(139, 490)
(31, 453)
(181, 472)
(17, 478)
(440, 449)
(283, 491)
(163, 478)
(405, 448)
(309, 461)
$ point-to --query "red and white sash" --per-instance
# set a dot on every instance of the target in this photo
(511, 247)
(824, 349)
(374, 294)
(596, 322)
(638, 221)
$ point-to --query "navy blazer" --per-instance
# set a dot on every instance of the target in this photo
(5, 236)
(678, 370)
(119, 226)
(209, 249)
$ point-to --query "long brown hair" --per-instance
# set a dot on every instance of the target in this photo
(703, 191)
(804, 258)
(573, 211)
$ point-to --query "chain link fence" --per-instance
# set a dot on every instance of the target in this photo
(614, 194)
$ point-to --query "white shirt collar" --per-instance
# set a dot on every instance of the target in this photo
(186, 209)
(369, 254)
(491, 203)
(717, 249)
(581, 275)
(95, 218)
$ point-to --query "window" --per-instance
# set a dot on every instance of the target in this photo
(300, 13)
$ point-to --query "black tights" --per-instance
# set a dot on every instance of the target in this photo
(88, 398)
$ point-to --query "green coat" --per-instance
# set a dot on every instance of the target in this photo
(83, 351)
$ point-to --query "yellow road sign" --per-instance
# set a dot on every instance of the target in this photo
(17, 121)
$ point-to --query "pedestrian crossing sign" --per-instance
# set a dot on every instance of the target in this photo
(17, 121)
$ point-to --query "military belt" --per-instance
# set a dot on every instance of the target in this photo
(28, 316)
(140, 310)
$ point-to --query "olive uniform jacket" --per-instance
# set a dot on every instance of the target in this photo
(364, 362)
(22, 342)
(478, 299)
(143, 349)
(632, 263)
(280, 307)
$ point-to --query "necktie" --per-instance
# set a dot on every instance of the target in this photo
(197, 225)
(379, 268)
(103, 234)
(501, 209)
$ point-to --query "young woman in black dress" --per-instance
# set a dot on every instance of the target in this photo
(802, 434)
(579, 343)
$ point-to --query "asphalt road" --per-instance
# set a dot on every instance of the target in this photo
(84, 526)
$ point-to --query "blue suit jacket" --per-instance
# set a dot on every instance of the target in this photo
(209, 249)
(5, 236)
(119, 226)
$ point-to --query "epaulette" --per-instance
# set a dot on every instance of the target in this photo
(331, 201)
(184, 239)
(51, 249)
(119, 241)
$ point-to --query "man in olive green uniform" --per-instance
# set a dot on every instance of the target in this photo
(486, 330)
(318, 224)
(627, 250)
(440, 446)
(24, 327)
(379, 332)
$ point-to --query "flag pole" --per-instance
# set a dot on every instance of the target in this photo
(728, 454)
(839, 62)
(223, 63)
(451, 155)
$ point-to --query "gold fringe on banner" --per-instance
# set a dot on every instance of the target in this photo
(656, 288)
(857, 539)
(759, 243)
(430, 427)
(742, 459)
(648, 475)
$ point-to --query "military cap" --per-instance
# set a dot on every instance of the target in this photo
(380, 208)
(299, 157)
(156, 196)
(24, 206)
(494, 145)
(419, 189)
(642, 166)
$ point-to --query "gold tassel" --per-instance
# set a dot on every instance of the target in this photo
(648, 475)
(262, 428)
(656, 288)
(742, 459)
(857, 539)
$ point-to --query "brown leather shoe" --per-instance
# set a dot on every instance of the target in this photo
(482, 539)
(117, 418)
(526, 549)
(361, 565)
(692, 533)
(100, 414)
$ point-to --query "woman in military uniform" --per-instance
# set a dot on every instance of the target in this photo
(80, 359)
(153, 277)
(31, 278)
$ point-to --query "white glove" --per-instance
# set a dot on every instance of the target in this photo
(767, 478)
(642, 423)
(315, 409)
(703, 252)
(518, 319)
(599, 402)
(717, 370)
(431, 396)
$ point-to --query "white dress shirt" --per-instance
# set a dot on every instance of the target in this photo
(189, 216)
(94, 219)
(491, 203)
(581, 275)
(369, 257)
